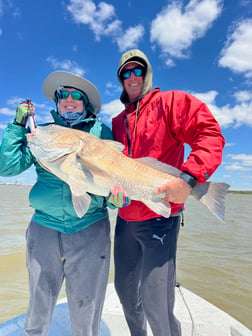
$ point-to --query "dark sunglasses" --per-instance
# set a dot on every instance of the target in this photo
(76, 95)
(136, 71)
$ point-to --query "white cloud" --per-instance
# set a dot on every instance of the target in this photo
(246, 159)
(240, 162)
(1, 7)
(227, 116)
(110, 110)
(175, 28)
(14, 101)
(112, 89)
(243, 96)
(9, 5)
(75, 48)
(67, 65)
(7, 111)
(102, 21)
(130, 38)
(237, 53)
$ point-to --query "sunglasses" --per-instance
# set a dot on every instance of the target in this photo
(76, 95)
(136, 71)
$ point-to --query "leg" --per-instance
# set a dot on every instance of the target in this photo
(87, 261)
(45, 277)
(128, 260)
(159, 274)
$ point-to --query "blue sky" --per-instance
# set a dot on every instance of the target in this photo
(202, 47)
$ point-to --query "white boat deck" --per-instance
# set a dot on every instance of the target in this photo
(197, 316)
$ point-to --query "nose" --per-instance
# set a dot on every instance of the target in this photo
(69, 96)
(132, 74)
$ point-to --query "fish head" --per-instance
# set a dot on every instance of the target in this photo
(53, 142)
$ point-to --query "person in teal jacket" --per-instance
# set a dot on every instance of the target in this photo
(60, 245)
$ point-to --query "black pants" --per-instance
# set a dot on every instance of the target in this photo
(145, 274)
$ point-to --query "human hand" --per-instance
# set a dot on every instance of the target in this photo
(119, 197)
(177, 190)
(24, 110)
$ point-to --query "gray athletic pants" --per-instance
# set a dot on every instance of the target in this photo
(145, 274)
(82, 259)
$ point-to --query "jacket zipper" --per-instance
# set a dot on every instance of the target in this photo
(128, 129)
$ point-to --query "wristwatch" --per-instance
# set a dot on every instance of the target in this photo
(190, 180)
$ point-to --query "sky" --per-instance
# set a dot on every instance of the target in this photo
(200, 47)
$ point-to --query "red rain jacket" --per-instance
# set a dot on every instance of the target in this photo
(163, 123)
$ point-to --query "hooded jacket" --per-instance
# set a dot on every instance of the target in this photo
(51, 197)
(159, 124)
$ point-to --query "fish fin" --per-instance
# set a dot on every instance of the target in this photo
(161, 207)
(81, 200)
(161, 166)
(81, 204)
(90, 169)
(74, 175)
(115, 144)
(212, 195)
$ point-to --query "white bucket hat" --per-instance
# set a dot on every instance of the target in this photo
(64, 78)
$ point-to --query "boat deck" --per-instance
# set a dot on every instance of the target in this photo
(198, 317)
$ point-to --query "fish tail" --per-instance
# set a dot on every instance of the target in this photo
(212, 195)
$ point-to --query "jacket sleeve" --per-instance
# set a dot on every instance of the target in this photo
(195, 125)
(106, 133)
(15, 156)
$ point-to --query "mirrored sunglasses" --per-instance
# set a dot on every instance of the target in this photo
(76, 95)
(136, 71)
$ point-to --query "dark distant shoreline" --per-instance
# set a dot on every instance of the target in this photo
(240, 192)
(14, 183)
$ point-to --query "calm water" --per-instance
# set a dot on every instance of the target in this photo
(214, 259)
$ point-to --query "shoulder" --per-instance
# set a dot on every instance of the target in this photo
(101, 130)
(119, 116)
(178, 98)
(156, 96)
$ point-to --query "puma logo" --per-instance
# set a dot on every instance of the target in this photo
(154, 236)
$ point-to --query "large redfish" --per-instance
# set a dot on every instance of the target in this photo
(89, 164)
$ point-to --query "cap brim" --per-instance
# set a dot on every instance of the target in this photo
(64, 78)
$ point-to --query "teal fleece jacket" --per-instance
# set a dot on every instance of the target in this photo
(51, 197)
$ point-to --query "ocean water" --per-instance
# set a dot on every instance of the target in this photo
(214, 258)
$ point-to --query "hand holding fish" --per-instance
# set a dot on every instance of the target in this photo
(23, 112)
(119, 197)
(177, 191)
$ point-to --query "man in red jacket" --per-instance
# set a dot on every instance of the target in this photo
(157, 124)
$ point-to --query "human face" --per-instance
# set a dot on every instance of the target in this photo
(133, 85)
(69, 104)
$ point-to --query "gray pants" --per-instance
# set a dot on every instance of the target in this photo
(83, 260)
(145, 274)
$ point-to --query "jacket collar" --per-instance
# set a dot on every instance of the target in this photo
(61, 122)
(144, 101)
